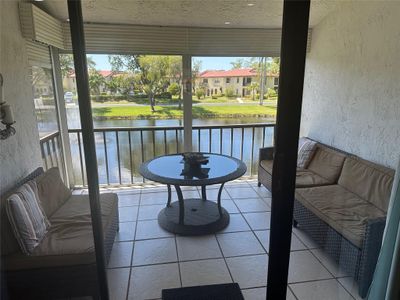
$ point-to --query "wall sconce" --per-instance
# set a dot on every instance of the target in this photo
(6, 115)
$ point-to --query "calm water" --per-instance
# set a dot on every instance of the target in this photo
(130, 157)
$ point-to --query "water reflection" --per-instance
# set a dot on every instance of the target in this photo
(135, 147)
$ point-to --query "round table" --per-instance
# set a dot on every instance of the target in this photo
(193, 216)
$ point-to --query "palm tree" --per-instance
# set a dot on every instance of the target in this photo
(95, 81)
(253, 87)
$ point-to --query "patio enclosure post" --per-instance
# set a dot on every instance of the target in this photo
(293, 56)
(187, 102)
(85, 110)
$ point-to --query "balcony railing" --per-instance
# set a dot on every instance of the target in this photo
(121, 150)
(50, 147)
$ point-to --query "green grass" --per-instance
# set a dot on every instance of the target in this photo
(172, 112)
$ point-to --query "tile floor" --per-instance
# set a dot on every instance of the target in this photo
(146, 259)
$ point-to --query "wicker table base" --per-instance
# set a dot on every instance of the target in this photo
(200, 217)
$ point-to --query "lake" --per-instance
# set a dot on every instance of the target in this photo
(130, 155)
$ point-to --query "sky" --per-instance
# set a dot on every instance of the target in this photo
(208, 63)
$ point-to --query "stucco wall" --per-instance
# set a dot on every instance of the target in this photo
(20, 153)
(352, 81)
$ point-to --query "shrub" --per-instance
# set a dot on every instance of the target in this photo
(199, 93)
(271, 93)
(164, 95)
(230, 93)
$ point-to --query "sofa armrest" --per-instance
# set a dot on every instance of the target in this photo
(370, 253)
(266, 153)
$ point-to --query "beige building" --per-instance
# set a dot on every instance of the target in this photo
(239, 80)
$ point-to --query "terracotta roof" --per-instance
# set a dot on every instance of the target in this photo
(247, 72)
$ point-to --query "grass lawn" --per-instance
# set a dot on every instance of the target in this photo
(172, 112)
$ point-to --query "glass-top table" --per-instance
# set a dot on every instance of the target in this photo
(193, 216)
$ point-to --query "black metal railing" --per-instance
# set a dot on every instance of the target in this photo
(121, 150)
(51, 150)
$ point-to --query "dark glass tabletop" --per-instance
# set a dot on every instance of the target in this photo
(171, 169)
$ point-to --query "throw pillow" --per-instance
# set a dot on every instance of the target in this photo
(27, 219)
(305, 153)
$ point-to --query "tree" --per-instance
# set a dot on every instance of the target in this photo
(175, 73)
(253, 87)
(113, 84)
(174, 89)
(67, 64)
(239, 63)
(153, 71)
(196, 67)
(95, 81)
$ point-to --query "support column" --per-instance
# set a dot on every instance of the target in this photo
(62, 117)
(293, 56)
(187, 102)
(85, 110)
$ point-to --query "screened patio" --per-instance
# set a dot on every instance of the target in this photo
(350, 102)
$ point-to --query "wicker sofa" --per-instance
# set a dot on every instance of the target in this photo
(64, 263)
(341, 202)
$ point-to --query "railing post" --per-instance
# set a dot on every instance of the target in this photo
(62, 118)
(187, 102)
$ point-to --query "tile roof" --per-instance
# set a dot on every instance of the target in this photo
(245, 72)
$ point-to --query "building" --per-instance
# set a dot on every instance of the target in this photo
(217, 81)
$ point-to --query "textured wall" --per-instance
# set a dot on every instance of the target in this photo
(19, 154)
(352, 81)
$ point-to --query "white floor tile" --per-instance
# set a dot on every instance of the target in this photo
(263, 191)
(126, 190)
(203, 272)
(150, 230)
(258, 221)
(154, 252)
(212, 194)
(242, 192)
(128, 199)
(201, 247)
(118, 283)
(236, 223)
(154, 198)
(255, 294)
(252, 205)
(237, 183)
(230, 206)
(128, 214)
(323, 289)
(263, 236)
(260, 294)
(303, 266)
(329, 263)
(126, 232)
(249, 271)
(121, 255)
(305, 238)
(147, 282)
(149, 212)
(239, 243)
(351, 286)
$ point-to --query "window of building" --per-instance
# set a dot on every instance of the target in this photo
(205, 80)
(248, 80)
(276, 81)
(237, 80)
(216, 80)
(228, 80)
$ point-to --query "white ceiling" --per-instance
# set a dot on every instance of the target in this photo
(190, 13)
